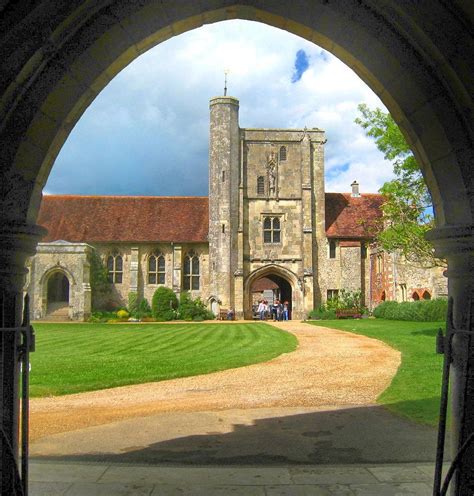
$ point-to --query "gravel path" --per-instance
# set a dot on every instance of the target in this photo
(330, 368)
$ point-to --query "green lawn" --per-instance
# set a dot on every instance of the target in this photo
(415, 389)
(71, 358)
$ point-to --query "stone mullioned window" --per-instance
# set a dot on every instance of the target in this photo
(115, 268)
(156, 269)
(271, 230)
(191, 273)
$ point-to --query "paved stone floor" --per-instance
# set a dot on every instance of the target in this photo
(93, 479)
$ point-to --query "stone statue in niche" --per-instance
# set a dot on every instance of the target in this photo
(272, 173)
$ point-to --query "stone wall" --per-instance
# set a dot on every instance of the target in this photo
(70, 259)
(393, 278)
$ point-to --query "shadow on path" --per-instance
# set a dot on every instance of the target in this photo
(260, 436)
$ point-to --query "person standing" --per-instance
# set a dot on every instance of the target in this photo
(285, 310)
(262, 308)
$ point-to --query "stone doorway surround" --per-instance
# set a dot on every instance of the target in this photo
(277, 273)
(418, 57)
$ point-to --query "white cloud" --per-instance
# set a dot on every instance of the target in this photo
(147, 132)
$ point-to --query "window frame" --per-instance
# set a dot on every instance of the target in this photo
(332, 249)
(191, 271)
(332, 294)
(271, 232)
(283, 153)
(115, 273)
(261, 185)
(159, 272)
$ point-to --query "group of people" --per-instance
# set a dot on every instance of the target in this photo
(277, 310)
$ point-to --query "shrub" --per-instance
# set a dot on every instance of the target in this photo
(138, 307)
(123, 314)
(346, 300)
(322, 313)
(190, 309)
(164, 304)
(144, 309)
(420, 311)
(101, 316)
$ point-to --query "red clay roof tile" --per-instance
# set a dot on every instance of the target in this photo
(352, 217)
(178, 218)
(124, 218)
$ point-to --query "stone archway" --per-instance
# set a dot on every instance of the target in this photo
(286, 288)
(57, 295)
(419, 58)
(273, 285)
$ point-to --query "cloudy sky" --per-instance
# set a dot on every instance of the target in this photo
(147, 132)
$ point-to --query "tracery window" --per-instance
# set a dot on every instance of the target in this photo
(191, 271)
(156, 269)
(271, 230)
(282, 153)
(115, 268)
(260, 185)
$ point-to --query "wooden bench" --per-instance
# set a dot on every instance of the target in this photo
(223, 315)
(348, 314)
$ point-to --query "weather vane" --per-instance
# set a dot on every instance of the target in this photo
(226, 71)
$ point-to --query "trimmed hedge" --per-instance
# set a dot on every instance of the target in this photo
(418, 311)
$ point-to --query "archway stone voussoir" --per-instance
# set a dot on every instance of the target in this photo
(63, 97)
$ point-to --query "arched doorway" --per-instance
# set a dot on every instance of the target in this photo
(271, 287)
(273, 282)
(57, 295)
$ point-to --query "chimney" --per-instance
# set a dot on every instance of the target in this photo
(355, 190)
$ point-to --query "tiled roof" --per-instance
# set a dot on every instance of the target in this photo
(177, 218)
(124, 218)
(352, 217)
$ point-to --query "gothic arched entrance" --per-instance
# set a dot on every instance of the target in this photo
(272, 283)
(271, 287)
(57, 294)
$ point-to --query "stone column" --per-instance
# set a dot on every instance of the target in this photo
(456, 244)
(224, 179)
(134, 270)
(177, 262)
(17, 242)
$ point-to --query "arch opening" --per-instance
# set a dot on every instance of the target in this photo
(57, 294)
(273, 289)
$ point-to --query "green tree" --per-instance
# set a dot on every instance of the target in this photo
(407, 207)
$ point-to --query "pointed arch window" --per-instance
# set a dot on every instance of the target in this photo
(271, 230)
(282, 153)
(156, 268)
(260, 185)
(115, 268)
(191, 271)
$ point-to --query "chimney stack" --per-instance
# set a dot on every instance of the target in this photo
(355, 190)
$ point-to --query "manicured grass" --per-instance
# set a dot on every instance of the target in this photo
(71, 358)
(415, 389)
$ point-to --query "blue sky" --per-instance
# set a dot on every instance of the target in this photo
(147, 132)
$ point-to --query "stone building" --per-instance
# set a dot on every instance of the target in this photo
(267, 218)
